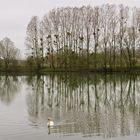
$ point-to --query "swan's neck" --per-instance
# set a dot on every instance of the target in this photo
(49, 122)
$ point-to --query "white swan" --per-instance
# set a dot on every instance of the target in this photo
(50, 122)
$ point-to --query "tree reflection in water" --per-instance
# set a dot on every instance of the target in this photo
(103, 105)
(9, 87)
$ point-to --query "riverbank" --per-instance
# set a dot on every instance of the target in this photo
(46, 70)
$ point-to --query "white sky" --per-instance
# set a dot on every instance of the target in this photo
(15, 14)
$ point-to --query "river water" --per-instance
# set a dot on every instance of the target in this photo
(88, 106)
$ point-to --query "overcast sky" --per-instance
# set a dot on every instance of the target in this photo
(15, 14)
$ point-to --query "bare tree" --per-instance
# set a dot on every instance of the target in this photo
(113, 30)
(96, 24)
(8, 52)
(123, 18)
(32, 40)
(105, 29)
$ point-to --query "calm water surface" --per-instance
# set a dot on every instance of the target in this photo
(81, 106)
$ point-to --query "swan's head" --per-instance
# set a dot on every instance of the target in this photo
(49, 118)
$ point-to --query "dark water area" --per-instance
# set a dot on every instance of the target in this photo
(88, 106)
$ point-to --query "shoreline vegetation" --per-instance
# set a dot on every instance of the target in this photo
(103, 39)
(20, 70)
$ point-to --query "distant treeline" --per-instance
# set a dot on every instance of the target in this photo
(104, 38)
